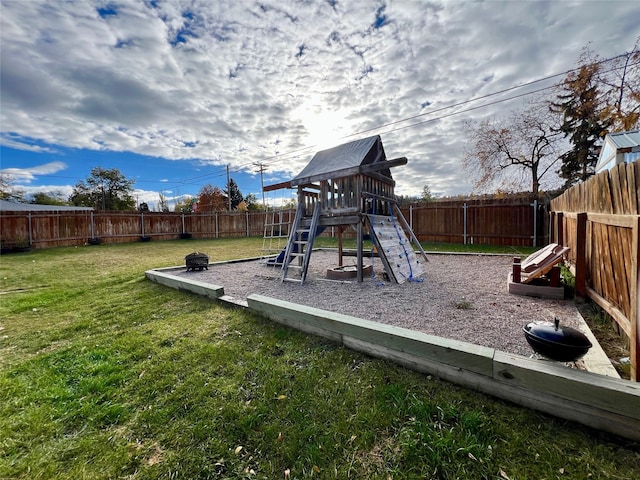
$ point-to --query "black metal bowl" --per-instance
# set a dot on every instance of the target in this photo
(559, 343)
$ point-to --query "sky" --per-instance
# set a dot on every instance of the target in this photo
(176, 93)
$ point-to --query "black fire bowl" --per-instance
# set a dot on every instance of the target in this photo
(559, 343)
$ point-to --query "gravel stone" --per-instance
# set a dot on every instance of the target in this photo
(461, 297)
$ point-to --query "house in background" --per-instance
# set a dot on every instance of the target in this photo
(7, 206)
(621, 147)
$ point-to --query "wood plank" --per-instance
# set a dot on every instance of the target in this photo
(635, 187)
(527, 396)
(618, 205)
(633, 184)
(609, 219)
(190, 285)
(579, 387)
(621, 256)
(611, 309)
(464, 355)
(594, 264)
(580, 255)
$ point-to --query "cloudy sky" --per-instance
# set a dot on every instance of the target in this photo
(171, 92)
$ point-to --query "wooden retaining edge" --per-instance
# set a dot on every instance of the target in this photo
(601, 402)
(201, 288)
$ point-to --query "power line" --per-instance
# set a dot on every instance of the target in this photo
(279, 157)
(298, 152)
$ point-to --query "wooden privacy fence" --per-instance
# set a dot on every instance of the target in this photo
(516, 222)
(45, 229)
(521, 221)
(599, 220)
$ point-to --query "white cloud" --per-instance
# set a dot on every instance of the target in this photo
(231, 82)
(26, 175)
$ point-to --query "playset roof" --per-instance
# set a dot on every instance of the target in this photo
(366, 154)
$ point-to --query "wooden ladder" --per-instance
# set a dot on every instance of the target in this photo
(300, 245)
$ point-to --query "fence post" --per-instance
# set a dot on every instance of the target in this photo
(634, 316)
(464, 216)
(535, 222)
(216, 225)
(93, 235)
(411, 216)
(142, 222)
(581, 255)
(559, 234)
(30, 231)
(247, 219)
(183, 222)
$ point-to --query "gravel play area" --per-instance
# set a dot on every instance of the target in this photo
(462, 297)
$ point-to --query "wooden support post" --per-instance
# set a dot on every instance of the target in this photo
(359, 251)
(554, 277)
(340, 229)
(516, 269)
(581, 256)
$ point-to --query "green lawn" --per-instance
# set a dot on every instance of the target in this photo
(106, 375)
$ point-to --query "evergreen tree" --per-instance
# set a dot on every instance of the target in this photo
(234, 193)
(581, 106)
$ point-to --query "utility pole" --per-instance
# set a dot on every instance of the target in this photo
(261, 169)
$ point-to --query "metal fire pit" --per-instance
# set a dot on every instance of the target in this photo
(197, 260)
(562, 344)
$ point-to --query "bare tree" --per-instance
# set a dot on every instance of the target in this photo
(506, 153)
(621, 86)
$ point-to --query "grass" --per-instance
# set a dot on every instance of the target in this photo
(106, 375)
(604, 328)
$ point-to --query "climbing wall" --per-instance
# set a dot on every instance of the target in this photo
(394, 249)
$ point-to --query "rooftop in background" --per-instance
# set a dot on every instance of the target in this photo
(6, 206)
(621, 147)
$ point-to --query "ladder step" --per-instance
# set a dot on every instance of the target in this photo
(294, 280)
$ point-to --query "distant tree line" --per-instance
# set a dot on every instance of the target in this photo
(109, 189)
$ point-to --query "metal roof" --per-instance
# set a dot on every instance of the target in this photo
(628, 139)
(6, 206)
(343, 160)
